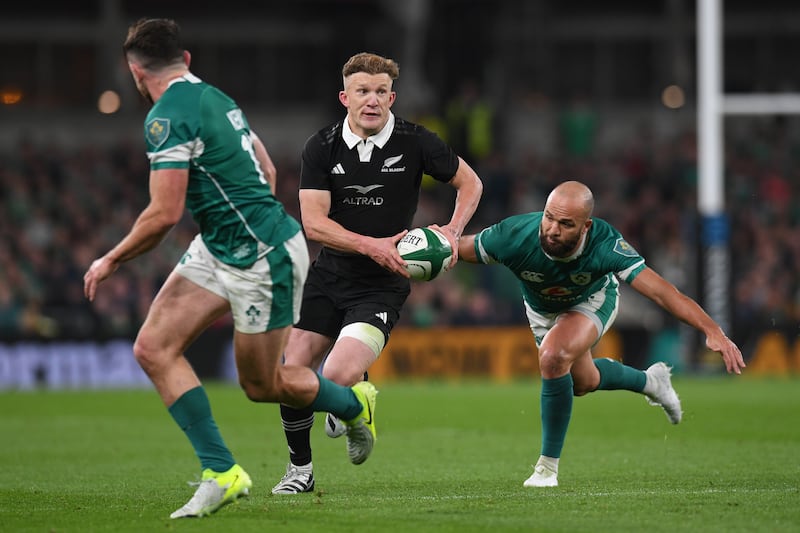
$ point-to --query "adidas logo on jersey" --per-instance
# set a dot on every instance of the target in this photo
(338, 169)
(389, 162)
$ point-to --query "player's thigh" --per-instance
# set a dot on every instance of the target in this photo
(347, 361)
(179, 313)
(306, 348)
(570, 337)
(319, 323)
(258, 356)
(323, 308)
(367, 325)
(267, 295)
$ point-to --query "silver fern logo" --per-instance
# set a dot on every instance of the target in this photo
(390, 162)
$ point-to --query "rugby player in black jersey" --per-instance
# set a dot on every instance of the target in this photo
(359, 189)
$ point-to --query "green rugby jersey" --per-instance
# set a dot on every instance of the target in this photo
(196, 126)
(548, 284)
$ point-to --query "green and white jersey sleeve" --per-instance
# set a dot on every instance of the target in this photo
(548, 284)
(198, 127)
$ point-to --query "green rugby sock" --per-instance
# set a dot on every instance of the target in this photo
(616, 376)
(192, 412)
(336, 399)
(556, 411)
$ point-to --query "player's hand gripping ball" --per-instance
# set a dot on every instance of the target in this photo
(426, 252)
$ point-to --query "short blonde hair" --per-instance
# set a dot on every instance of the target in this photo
(371, 64)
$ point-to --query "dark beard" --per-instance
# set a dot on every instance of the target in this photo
(145, 94)
(147, 97)
(561, 249)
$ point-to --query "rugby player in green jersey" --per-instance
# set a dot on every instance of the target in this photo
(250, 258)
(569, 265)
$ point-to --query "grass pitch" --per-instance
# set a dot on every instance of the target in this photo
(449, 457)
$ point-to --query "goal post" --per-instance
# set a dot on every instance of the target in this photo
(713, 106)
(711, 194)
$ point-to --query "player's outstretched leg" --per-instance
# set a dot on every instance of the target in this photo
(361, 434)
(659, 391)
(214, 491)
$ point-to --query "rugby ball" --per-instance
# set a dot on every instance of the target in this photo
(427, 253)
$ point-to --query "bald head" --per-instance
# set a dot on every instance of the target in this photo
(572, 198)
(566, 219)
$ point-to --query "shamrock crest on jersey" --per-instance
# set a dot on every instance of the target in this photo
(157, 130)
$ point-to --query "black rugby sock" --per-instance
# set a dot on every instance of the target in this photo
(297, 427)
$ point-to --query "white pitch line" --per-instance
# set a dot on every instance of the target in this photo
(562, 494)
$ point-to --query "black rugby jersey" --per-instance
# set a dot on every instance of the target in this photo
(377, 197)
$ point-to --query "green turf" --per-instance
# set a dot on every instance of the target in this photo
(450, 457)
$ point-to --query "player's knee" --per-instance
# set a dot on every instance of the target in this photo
(257, 392)
(348, 367)
(347, 376)
(553, 362)
(260, 391)
(146, 353)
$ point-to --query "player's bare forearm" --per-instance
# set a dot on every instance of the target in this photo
(382, 250)
(146, 233)
(652, 285)
(330, 233)
(666, 295)
(469, 189)
(315, 206)
(466, 249)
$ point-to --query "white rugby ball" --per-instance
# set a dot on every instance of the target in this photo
(427, 253)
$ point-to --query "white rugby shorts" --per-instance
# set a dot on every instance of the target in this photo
(265, 296)
(601, 308)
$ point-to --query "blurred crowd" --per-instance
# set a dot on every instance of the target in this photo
(62, 207)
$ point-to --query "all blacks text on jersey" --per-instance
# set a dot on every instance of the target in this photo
(390, 162)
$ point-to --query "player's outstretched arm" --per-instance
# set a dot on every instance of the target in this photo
(651, 284)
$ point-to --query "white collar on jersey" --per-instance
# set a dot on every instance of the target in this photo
(379, 139)
(191, 78)
(365, 146)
